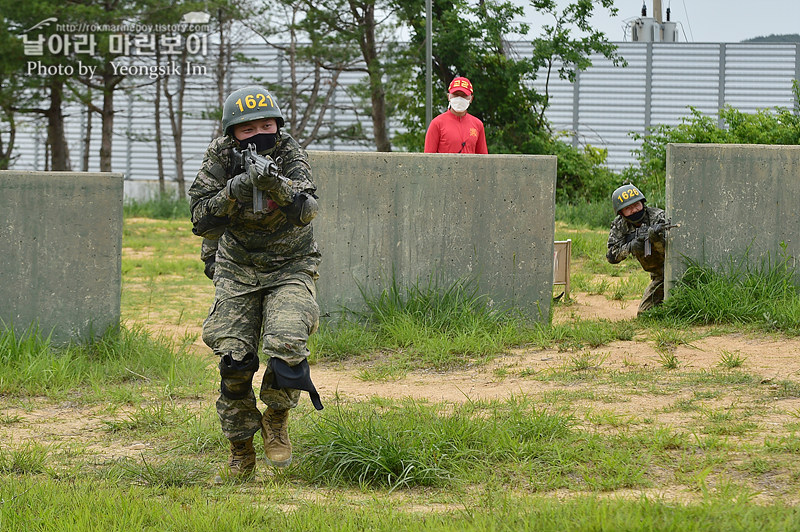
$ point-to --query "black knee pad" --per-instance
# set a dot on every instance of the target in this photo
(237, 375)
(294, 377)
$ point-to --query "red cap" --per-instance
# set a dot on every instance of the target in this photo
(460, 84)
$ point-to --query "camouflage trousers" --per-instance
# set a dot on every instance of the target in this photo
(281, 319)
(653, 294)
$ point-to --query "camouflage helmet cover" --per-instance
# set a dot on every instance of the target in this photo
(626, 195)
(249, 103)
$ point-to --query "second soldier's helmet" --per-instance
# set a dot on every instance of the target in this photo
(626, 195)
(249, 103)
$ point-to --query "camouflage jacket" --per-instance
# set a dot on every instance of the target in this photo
(623, 233)
(257, 250)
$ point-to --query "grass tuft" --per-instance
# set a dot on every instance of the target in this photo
(438, 326)
(31, 365)
(764, 294)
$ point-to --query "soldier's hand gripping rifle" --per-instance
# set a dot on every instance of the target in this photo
(656, 232)
(299, 208)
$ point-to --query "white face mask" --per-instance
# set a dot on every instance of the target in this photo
(459, 104)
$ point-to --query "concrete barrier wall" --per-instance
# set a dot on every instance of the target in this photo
(60, 252)
(731, 200)
(454, 216)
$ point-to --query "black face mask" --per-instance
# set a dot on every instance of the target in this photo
(263, 141)
(636, 217)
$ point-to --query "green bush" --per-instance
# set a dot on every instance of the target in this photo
(591, 214)
(582, 174)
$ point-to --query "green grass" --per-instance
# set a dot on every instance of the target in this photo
(434, 325)
(162, 276)
(460, 456)
(591, 214)
(762, 294)
(81, 506)
(30, 365)
(597, 445)
(731, 360)
(162, 207)
(579, 334)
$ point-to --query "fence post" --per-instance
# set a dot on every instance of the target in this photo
(648, 88)
(128, 139)
(721, 91)
(796, 76)
(576, 102)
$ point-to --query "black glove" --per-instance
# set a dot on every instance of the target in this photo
(302, 210)
(210, 266)
(241, 188)
(656, 233)
(265, 175)
(636, 246)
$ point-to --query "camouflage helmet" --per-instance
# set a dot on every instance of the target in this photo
(249, 103)
(626, 195)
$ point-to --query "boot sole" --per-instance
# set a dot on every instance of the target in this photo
(280, 463)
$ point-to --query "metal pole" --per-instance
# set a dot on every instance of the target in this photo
(428, 64)
(576, 107)
(657, 11)
(722, 82)
(796, 75)
(648, 88)
(659, 21)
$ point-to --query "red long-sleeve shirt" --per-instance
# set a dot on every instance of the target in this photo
(449, 133)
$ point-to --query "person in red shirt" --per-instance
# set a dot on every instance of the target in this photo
(455, 130)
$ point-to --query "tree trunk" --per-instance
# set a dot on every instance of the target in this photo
(222, 65)
(87, 140)
(162, 186)
(176, 120)
(376, 90)
(5, 154)
(108, 117)
(59, 151)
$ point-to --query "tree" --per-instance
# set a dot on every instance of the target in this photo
(227, 22)
(12, 91)
(367, 23)
(316, 61)
(33, 80)
(558, 45)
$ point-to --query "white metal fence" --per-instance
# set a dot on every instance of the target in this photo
(661, 82)
(602, 108)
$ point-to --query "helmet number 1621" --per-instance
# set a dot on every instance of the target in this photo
(250, 101)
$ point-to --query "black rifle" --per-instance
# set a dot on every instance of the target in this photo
(261, 165)
(648, 249)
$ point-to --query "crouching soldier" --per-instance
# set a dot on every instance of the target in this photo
(639, 230)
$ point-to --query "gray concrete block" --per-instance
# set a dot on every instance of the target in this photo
(731, 200)
(411, 216)
(60, 262)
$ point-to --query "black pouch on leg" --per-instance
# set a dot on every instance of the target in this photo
(237, 375)
(295, 377)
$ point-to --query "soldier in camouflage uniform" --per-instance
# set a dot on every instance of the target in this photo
(264, 267)
(636, 228)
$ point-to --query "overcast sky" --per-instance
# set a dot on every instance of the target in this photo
(700, 20)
